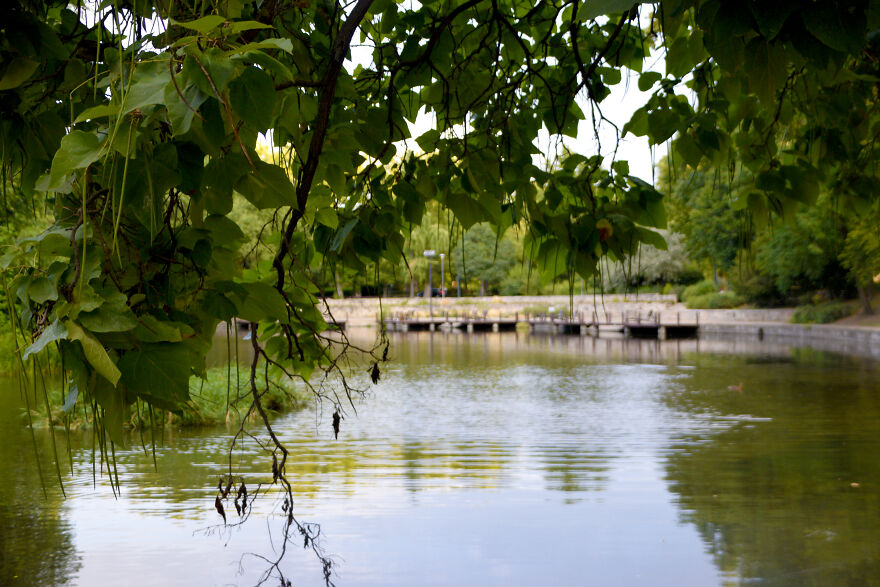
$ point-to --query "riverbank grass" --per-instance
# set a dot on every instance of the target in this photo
(223, 397)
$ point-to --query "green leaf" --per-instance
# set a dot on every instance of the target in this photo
(41, 290)
(158, 373)
(182, 106)
(94, 351)
(203, 25)
(215, 63)
(18, 72)
(266, 62)
(834, 26)
(465, 209)
(78, 149)
(218, 306)
(113, 315)
(148, 85)
(771, 16)
(55, 331)
(610, 75)
(654, 239)
(151, 329)
(637, 124)
(112, 400)
(687, 147)
(648, 79)
(70, 398)
(768, 67)
(252, 97)
(770, 181)
(201, 253)
(262, 302)
(274, 43)
(224, 231)
(328, 217)
(428, 140)
(97, 112)
(596, 8)
(219, 179)
(240, 26)
(662, 124)
(148, 180)
(341, 234)
(267, 187)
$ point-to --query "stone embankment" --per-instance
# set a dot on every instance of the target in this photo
(367, 311)
(771, 325)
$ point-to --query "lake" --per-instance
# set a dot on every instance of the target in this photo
(494, 459)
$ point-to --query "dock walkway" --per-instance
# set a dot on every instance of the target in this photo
(661, 325)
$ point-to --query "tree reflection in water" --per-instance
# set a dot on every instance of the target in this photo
(786, 492)
(35, 540)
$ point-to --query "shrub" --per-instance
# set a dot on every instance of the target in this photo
(701, 288)
(757, 288)
(821, 313)
(714, 301)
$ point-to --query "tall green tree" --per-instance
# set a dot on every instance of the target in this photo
(485, 257)
(702, 204)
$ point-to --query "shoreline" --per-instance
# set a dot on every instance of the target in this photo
(770, 325)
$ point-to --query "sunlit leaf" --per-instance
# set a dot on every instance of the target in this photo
(94, 352)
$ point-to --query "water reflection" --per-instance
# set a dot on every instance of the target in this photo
(785, 490)
(507, 460)
(36, 546)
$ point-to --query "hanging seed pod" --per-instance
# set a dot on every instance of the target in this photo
(336, 419)
(374, 373)
(218, 505)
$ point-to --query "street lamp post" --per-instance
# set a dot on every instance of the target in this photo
(442, 277)
(430, 254)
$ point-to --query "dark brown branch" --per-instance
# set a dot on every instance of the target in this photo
(338, 52)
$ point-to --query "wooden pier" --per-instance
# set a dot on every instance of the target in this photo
(632, 324)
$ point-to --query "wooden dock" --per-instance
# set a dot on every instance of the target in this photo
(631, 324)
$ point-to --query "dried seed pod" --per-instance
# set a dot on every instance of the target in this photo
(218, 505)
(336, 419)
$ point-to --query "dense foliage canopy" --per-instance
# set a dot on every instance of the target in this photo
(137, 123)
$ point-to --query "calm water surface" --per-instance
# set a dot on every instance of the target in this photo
(498, 460)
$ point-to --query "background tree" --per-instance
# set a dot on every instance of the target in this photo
(702, 210)
(485, 257)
